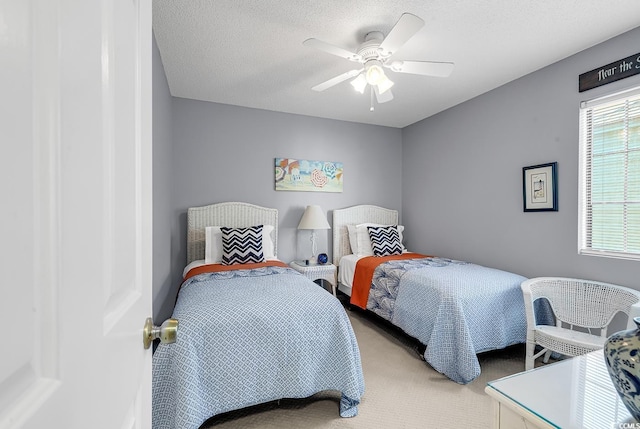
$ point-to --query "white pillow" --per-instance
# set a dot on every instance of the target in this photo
(353, 240)
(363, 242)
(268, 249)
(213, 244)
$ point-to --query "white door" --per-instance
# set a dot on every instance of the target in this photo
(75, 213)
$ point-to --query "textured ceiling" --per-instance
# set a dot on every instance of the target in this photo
(250, 53)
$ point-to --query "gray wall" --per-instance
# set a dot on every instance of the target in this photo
(462, 173)
(459, 172)
(163, 222)
(226, 153)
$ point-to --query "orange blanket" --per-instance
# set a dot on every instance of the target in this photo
(214, 268)
(363, 275)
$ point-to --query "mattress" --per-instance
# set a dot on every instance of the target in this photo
(346, 272)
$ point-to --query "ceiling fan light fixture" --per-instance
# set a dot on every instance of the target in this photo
(375, 53)
(384, 85)
(359, 83)
(374, 73)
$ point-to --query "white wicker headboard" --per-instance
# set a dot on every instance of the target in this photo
(233, 214)
(353, 216)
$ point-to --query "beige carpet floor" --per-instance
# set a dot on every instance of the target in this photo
(401, 390)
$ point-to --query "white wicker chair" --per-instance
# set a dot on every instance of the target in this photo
(576, 303)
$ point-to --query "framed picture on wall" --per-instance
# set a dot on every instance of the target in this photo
(540, 187)
(308, 175)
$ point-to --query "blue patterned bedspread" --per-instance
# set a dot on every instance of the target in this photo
(457, 309)
(247, 337)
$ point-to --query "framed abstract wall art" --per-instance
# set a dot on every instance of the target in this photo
(308, 175)
(540, 187)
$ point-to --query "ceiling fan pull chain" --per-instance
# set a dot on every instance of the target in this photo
(371, 109)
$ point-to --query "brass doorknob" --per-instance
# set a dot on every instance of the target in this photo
(167, 332)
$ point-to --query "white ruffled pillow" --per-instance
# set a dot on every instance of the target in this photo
(213, 244)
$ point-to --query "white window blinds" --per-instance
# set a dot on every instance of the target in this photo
(610, 176)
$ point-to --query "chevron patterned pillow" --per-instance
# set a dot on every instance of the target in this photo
(385, 240)
(242, 245)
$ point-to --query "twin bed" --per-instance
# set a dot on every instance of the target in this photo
(257, 331)
(250, 333)
(457, 309)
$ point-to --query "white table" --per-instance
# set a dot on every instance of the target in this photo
(315, 272)
(576, 393)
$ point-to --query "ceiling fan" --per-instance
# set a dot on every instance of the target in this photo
(374, 54)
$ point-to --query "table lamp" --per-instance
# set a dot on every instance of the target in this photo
(313, 218)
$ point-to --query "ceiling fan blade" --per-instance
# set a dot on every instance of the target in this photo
(332, 49)
(336, 80)
(384, 97)
(406, 27)
(426, 68)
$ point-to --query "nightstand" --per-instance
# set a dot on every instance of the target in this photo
(318, 272)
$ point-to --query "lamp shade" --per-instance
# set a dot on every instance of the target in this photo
(359, 83)
(384, 85)
(313, 218)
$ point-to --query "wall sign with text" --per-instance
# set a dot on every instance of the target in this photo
(610, 73)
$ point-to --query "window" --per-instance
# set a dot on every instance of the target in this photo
(610, 176)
